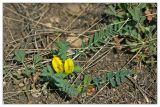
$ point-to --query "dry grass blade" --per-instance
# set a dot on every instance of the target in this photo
(140, 89)
(29, 18)
(132, 58)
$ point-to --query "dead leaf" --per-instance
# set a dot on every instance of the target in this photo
(149, 14)
(138, 69)
(118, 41)
(85, 39)
(36, 77)
(91, 90)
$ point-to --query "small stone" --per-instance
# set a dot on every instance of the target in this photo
(83, 94)
(116, 56)
(19, 71)
(35, 93)
(44, 89)
(73, 9)
(74, 42)
(24, 88)
(26, 81)
(16, 82)
(70, 52)
(135, 77)
(114, 90)
(55, 19)
(21, 84)
(48, 25)
(139, 102)
(4, 83)
(108, 59)
(116, 63)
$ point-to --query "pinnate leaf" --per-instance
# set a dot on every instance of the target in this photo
(37, 59)
(20, 55)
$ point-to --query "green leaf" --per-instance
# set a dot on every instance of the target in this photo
(113, 83)
(61, 75)
(129, 73)
(97, 82)
(90, 41)
(96, 44)
(20, 55)
(47, 71)
(63, 46)
(118, 81)
(77, 69)
(83, 44)
(143, 18)
(119, 77)
(37, 59)
(28, 71)
(111, 29)
(110, 76)
(134, 49)
(131, 44)
(95, 38)
(79, 88)
(137, 14)
(131, 11)
(49, 68)
(86, 81)
(142, 5)
(121, 14)
(63, 85)
(122, 76)
(116, 27)
(150, 28)
(93, 49)
(112, 9)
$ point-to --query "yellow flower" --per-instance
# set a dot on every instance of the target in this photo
(68, 66)
(57, 64)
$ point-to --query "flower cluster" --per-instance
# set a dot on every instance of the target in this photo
(59, 67)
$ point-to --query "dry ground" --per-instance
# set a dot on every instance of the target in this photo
(35, 27)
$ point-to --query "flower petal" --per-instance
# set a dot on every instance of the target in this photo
(57, 64)
(68, 66)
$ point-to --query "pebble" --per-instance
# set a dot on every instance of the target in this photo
(21, 84)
